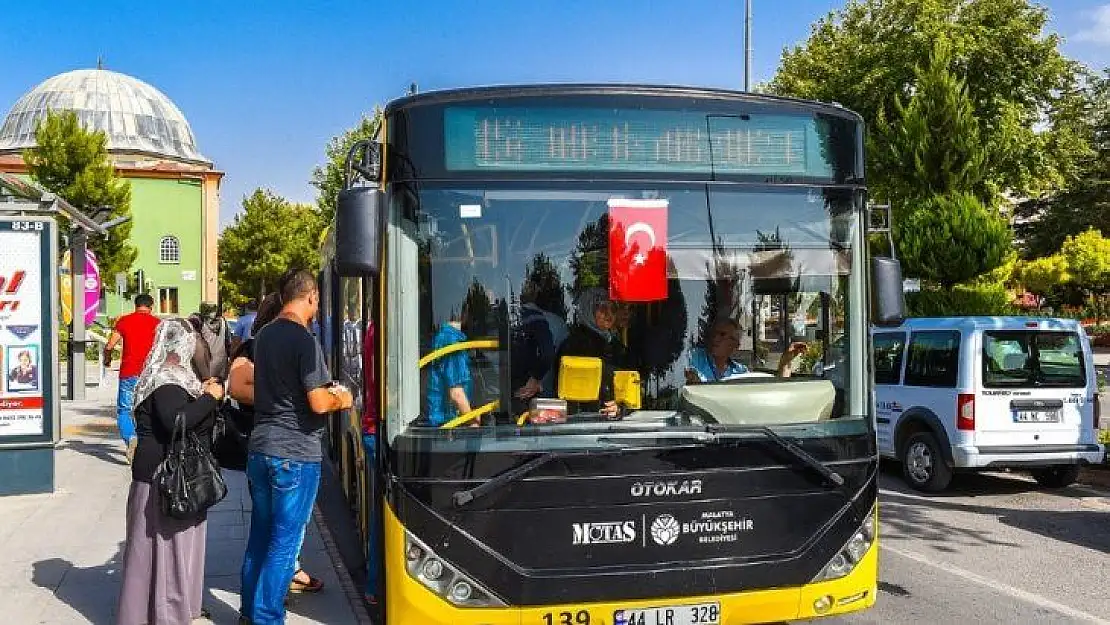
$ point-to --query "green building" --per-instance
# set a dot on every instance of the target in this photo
(175, 191)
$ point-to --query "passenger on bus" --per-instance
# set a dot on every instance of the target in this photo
(449, 380)
(593, 335)
(715, 362)
(534, 346)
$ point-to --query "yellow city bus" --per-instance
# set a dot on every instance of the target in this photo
(622, 356)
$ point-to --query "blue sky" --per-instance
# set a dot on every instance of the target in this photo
(266, 84)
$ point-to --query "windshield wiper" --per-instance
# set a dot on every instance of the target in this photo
(802, 456)
(463, 497)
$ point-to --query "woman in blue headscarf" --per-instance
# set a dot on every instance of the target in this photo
(593, 335)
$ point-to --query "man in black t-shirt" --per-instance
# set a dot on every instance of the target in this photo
(293, 393)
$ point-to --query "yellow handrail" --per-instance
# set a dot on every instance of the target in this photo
(457, 347)
(470, 416)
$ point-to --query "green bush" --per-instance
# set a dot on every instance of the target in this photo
(989, 300)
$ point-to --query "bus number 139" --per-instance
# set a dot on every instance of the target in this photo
(581, 617)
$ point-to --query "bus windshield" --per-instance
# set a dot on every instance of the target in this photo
(526, 315)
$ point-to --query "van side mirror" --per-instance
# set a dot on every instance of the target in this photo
(358, 216)
(888, 301)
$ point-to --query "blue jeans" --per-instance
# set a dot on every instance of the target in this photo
(369, 445)
(282, 494)
(124, 406)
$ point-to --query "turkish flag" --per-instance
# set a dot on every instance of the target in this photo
(637, 250)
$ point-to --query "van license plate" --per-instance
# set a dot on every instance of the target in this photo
(699, 614)
(1036, 416)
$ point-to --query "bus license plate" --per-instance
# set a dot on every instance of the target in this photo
(699, 614)
(1036, 416)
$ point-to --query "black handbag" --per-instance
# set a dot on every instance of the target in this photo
(188, 479)
(230, 437)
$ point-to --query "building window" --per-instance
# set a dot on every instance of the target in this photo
(167, 300)
(169, 251)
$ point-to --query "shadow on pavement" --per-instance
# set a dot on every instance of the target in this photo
(975, 485)
(102, 451)
(1089, 529)
(93, 592)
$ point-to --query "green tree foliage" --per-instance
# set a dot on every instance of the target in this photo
(543, 285)
(1046, 221)
(1042, 275)
(864, 56)
(1088, 258)
(951, 239)
(962, 300)
(74, 163)
(328, 178)
(934, 141)
(270, 236)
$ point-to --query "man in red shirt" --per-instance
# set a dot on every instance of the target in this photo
(137, 331)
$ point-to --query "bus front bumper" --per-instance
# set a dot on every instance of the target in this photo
(410, 603)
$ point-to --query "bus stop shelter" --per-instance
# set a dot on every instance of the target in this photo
(30, 402)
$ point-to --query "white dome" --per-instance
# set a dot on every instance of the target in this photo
(136, 117)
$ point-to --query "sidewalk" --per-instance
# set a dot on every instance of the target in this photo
(62, 551)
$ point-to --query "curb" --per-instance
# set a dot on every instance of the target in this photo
(354, 597)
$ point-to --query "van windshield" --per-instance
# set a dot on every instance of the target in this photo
(1025, 358)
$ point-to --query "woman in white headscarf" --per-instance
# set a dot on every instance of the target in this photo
(593, 335)
(163, 562)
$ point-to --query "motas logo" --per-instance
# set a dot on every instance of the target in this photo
(604, 533)
(665, 530)
(666, 489)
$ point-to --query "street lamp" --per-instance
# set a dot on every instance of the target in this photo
(747, 44)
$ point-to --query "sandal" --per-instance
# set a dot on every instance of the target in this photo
(313, 585)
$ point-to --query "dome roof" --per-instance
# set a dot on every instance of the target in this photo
(136, 117)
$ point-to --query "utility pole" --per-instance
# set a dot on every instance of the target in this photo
(747, 45)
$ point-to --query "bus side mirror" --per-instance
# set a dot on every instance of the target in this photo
(888, 302)
(358, 217)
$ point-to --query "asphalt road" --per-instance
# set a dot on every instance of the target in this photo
(994, 549)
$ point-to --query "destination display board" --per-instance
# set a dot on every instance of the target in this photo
(494, 139)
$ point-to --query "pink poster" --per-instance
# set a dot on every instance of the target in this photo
(92, 287)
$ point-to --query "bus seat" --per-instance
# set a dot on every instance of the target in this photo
(756, 403)
(579, 378)
(626, 387)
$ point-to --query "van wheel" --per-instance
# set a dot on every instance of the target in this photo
(1057, 477)
(923, 466)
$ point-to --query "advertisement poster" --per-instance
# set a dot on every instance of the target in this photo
(92, 288)
(25, 329)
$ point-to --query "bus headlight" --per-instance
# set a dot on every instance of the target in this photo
(443, 578)
(851, 553)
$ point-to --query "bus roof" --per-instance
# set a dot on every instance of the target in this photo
(613, 89)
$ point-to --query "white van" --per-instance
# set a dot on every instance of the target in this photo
(984, 393)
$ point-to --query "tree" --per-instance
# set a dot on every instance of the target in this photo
(329, 177)
(1042, 275)
(544, 285)
(864, 56)
(951, 239)
(1088, 258)
(269, 237)
(73, 162)
(933, 142)
(1044, 222)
